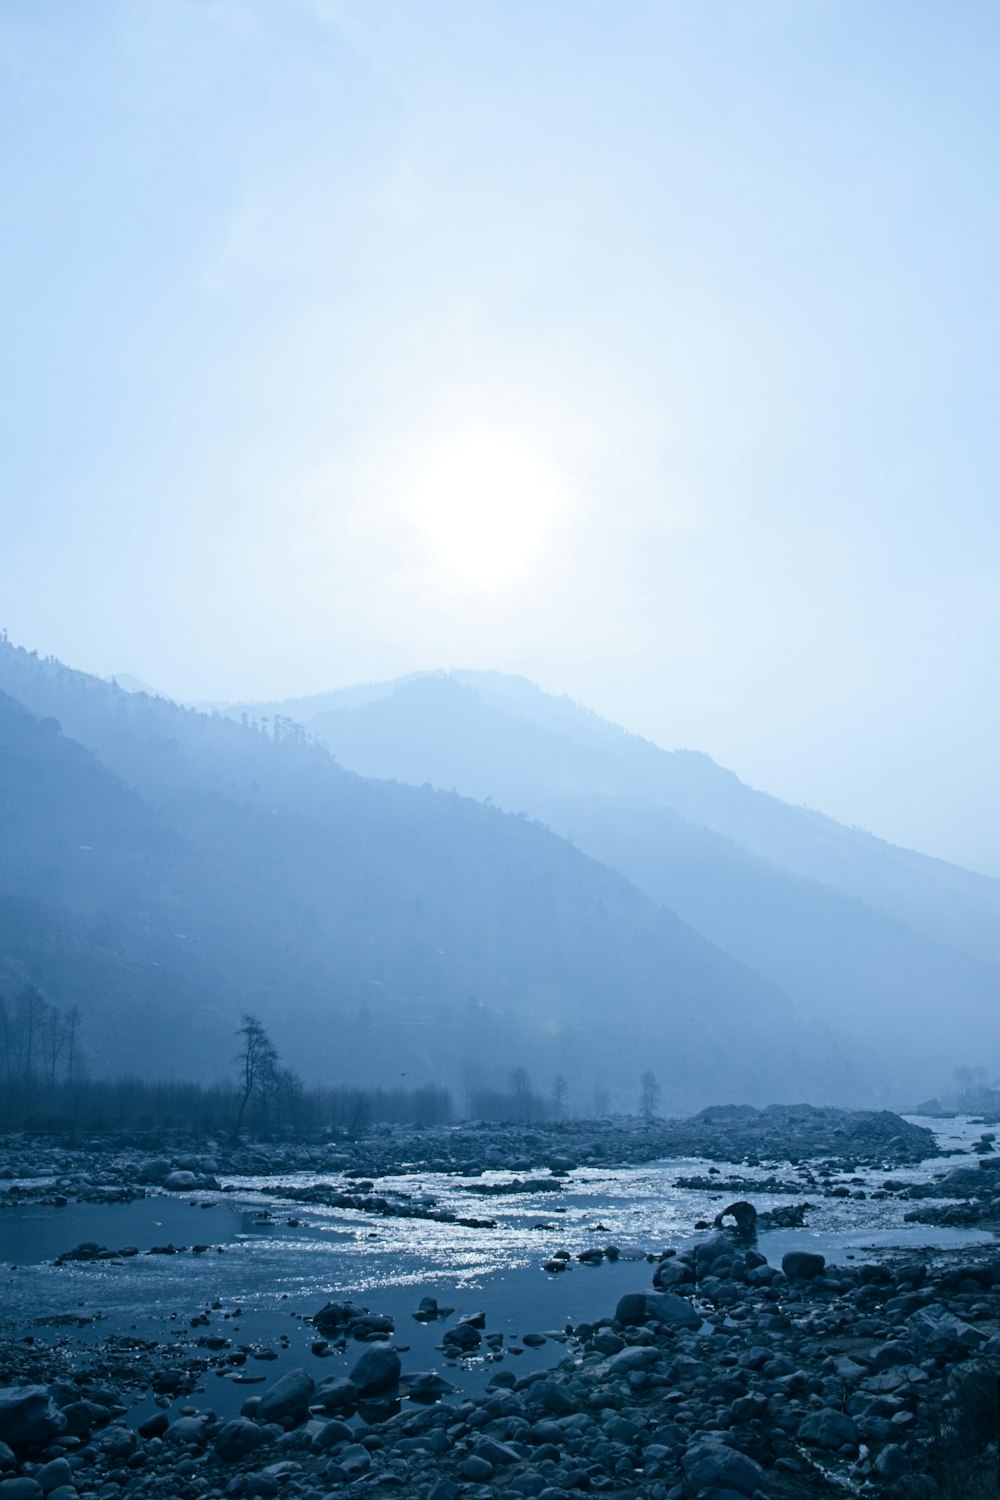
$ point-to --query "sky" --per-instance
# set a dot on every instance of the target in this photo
(646, 349)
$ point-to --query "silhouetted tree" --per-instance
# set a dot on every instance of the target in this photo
(560, 1090)
(257, 1062)
(649, 1095)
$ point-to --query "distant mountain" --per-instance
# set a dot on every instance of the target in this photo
(901, 950)
(167, 869)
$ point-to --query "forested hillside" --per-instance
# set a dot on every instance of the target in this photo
(166, 870)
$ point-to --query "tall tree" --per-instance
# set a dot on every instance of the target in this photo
(257, 1061)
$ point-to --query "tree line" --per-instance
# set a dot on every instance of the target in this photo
(48, 1089)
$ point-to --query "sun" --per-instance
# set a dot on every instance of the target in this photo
(484, 504)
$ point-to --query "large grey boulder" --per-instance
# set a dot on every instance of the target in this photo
(636, 1308)
(29, 1418)
(236, 1439)
(337, 1393)
(377, 1370)
(828, 1428)
(941, 1330)
(288, 1399)
(180, 1181)
(803, 1265)
(709, 1464)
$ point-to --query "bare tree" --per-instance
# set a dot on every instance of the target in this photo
(257, 1062)
(649, 1095)
(560, 1091)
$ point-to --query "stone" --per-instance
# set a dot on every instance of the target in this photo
(53, 1474)
(188, 1432)
(743, 1215)
(21, 1489)
(180, 1182)
(288, 1398)
(337, 1393)
(803, 1265)
(828, 1428)
(377, 1370)
(236, 1439)
(708, 1464)
(940, 1330)
(28, 1416)
(636, 1308)
(892, 1462)
(475, 1468)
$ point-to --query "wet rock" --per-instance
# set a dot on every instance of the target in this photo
(180, 1181)
(29, 1417)
(288, 1399)
(709, 1464)
(377, 1371)
(53, 1474)
(636, 1308)
(803, 1265)
(337, 1393)
(743, 1215)
(828, 1429)
(237, 1439)
(24, 1488)
(463, 1338)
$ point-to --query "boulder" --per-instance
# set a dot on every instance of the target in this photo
(940, 1330)
(377, 1370)
(828, 1428)
(180, 1182)
(708, 1464)
(188, 1432)
(636, 1308)
(236, 1439)
(288, 1399)
(803, 1265)
(743, 1215)
(28, 1416)
(24, 1488)
(337, 1393)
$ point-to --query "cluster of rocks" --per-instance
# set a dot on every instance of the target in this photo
(99, 1171)
(729, 1377)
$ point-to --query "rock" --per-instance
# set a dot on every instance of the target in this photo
(940, 1330)
(53, 1474)
(180, 1182)
(337, 1393)
(288, 1399)
(475, 1468)
(828, 1428)
(238, 1438)
(463, 1336)
(708, 1464)
(377, 1370)
(427, 1386)
(892, 1462)
(188, 1432)
(21, 1489)
(803, 1265)
(154, 1170)
(28, 1416)
(636, 1308)
(744, 1216)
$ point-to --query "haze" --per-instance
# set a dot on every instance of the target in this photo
(647, 351)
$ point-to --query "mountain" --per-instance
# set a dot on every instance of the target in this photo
(167, 869)
(899, 950)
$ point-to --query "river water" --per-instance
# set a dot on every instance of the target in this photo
(271, 1262)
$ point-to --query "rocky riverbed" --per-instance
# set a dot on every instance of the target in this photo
(719, 1365)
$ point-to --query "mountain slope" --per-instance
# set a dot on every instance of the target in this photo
(194, 867)
(885, 937)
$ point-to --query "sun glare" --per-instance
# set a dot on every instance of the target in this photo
(485, 505)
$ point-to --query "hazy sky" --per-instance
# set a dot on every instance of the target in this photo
(647, 349)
